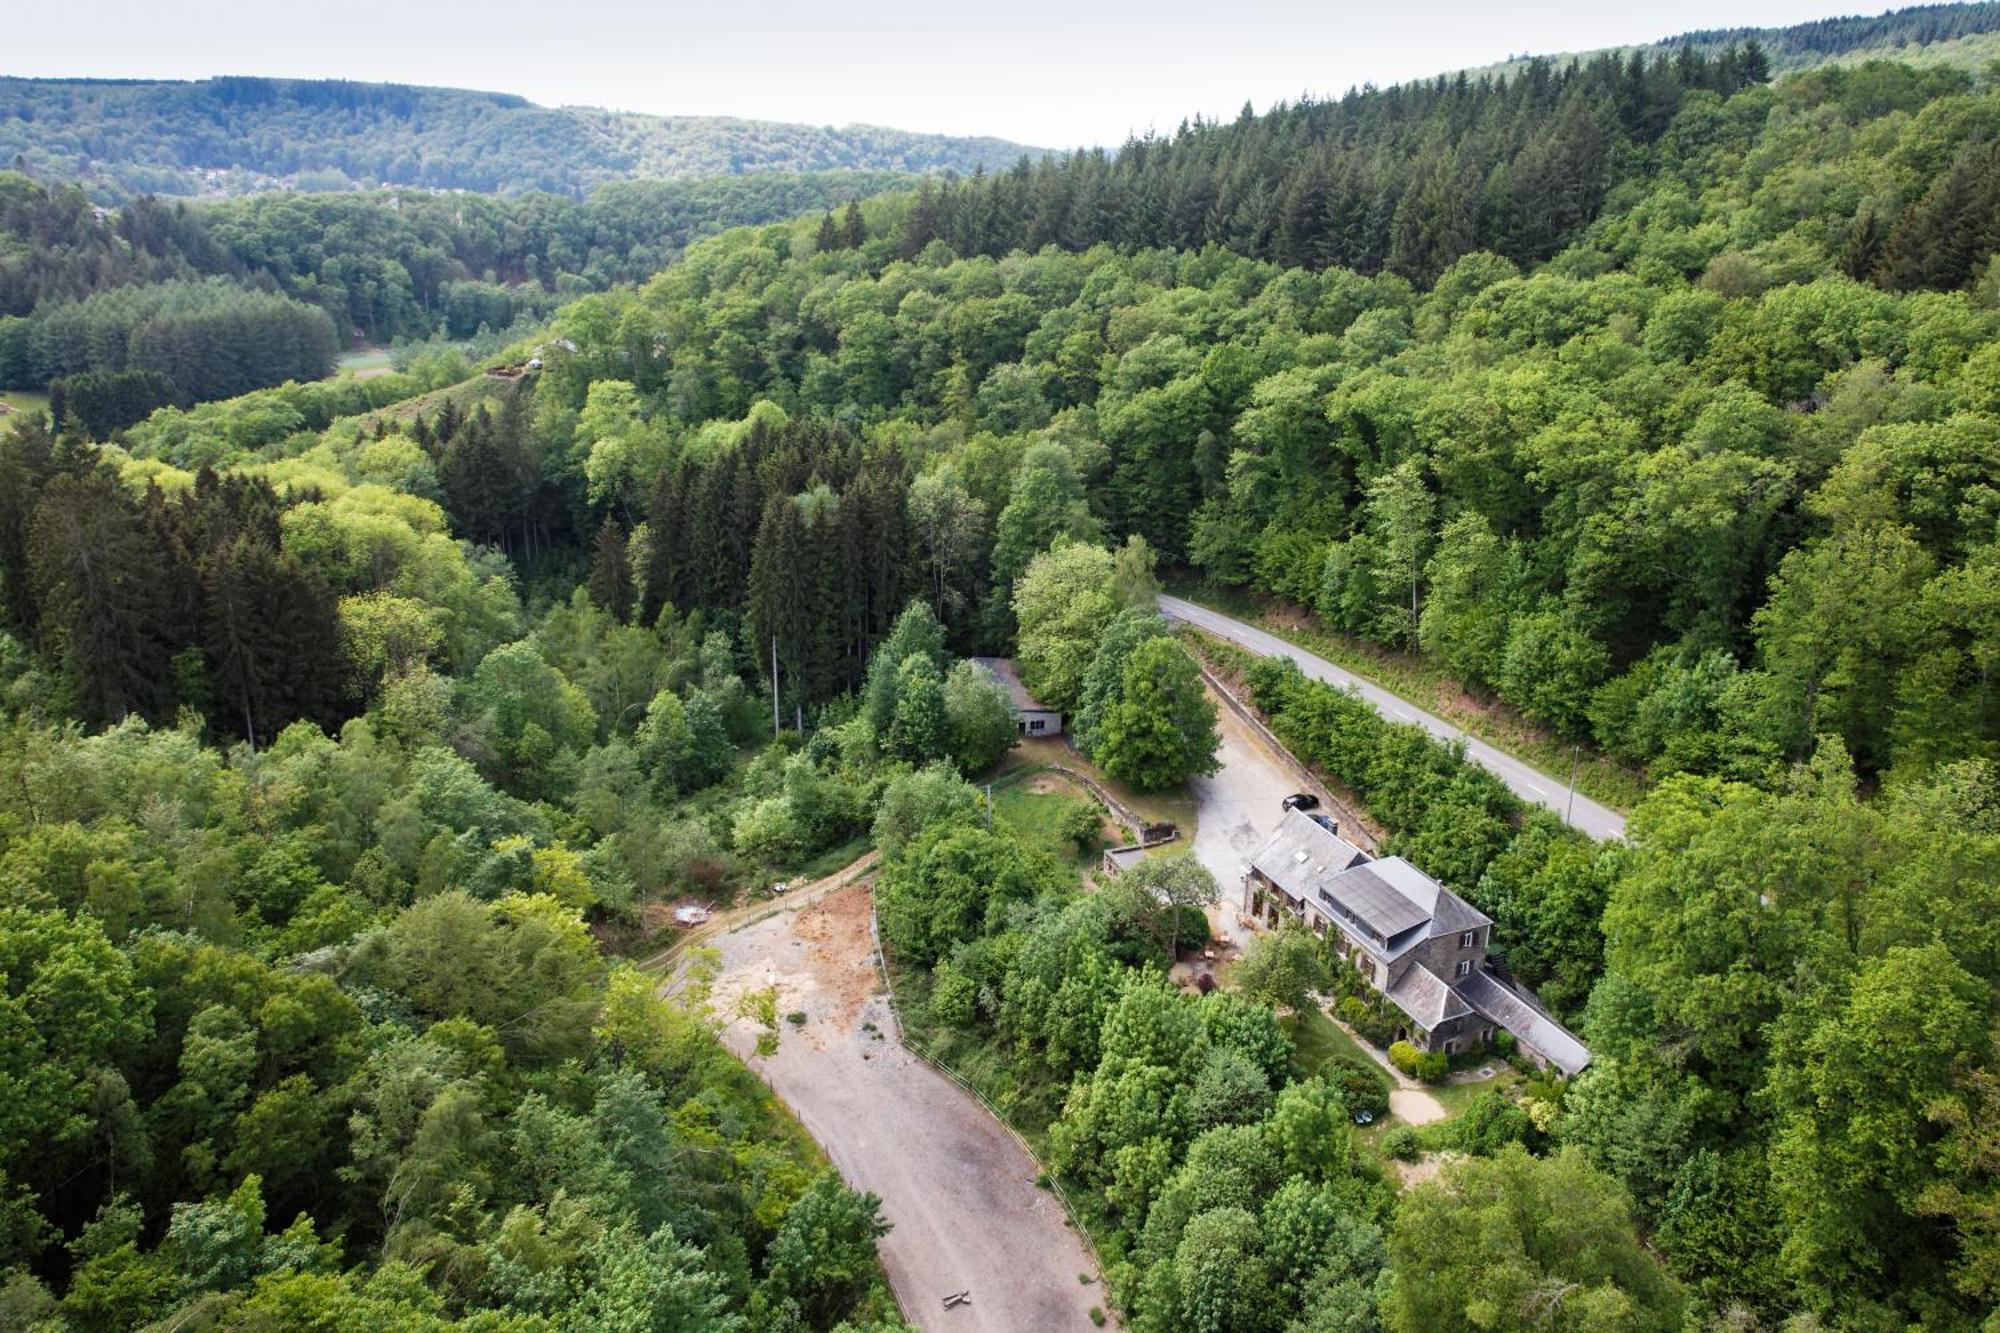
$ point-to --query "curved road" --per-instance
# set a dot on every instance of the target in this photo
(957, 1186)
(1527, 782)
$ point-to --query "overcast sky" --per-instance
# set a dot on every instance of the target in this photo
(1042, 72)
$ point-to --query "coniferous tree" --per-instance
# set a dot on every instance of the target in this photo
(610, 581)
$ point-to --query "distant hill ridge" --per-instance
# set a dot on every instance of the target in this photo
(238, 134)
(1953, 32)
(233, 135)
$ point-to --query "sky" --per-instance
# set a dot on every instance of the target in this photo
(1040, 72)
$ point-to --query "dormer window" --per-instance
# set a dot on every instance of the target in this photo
(1466, 940)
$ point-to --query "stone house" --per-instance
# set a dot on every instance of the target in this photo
(1418, 943)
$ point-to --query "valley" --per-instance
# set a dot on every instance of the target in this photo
(1403, 684)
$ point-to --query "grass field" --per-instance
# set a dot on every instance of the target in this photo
(1033, 805)
(364, 362)
(21, 400)
(1317, 1041)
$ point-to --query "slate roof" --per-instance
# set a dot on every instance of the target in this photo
(1303, 855)
(1401, 904)
(1002, 670)
(1427, 997)
(1499, 1002)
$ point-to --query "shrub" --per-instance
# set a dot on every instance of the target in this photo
(1430, 1066)
(1490, 1124)
(1374, 1026)
(1081, 822)
(954, 996)
(1401, 1144)
(1362, 1085)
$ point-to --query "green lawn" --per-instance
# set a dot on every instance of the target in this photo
(25, 401)
(1598, 776)
(1457, 1096)
(1317, 1040)
(364, 358)
(1036, 816)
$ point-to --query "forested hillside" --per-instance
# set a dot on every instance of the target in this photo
(393, 264)
(1922, 33)
(238, 135)
(352, 728)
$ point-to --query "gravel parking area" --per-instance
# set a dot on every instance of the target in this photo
(1237, 809)
(956, 1185)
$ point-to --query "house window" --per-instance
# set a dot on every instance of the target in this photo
(1036, 725)
(1451, 1047)
(1465, 969)
(1465, 940)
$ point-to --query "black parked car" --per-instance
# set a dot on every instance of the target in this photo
(1301, 800)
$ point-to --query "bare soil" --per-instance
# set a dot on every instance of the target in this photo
(956, 1185)
(1424, 1168)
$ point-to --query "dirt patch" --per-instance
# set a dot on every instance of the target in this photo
(957, 1187)
(1424, 1168)
(1414, 1106)
(840, 950)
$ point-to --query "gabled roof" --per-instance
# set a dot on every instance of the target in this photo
(1427, 997)
(1002, 670)
(1303, 855)
(1394, 899)
(1533, 1028)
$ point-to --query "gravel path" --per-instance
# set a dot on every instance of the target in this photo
(1236, 811)
(956, 1185)
(1527, 782)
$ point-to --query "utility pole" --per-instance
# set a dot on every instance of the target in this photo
(776, 725)
(1574, 750)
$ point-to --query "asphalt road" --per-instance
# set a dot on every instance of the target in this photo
(1526, 781)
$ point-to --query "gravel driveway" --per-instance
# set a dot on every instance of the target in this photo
(957, 1186)
(1236, 811)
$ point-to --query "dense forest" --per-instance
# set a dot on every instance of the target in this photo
(77, 283)
(239, 135)
(1803, 45)
(352, 729)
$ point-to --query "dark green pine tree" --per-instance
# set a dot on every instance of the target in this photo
(1944, 236)
(106, 616)
(666, 555)
(27, 462)
(783, 587)
(853, 231)
(610, 582)
(828, 237)
(270, 630)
